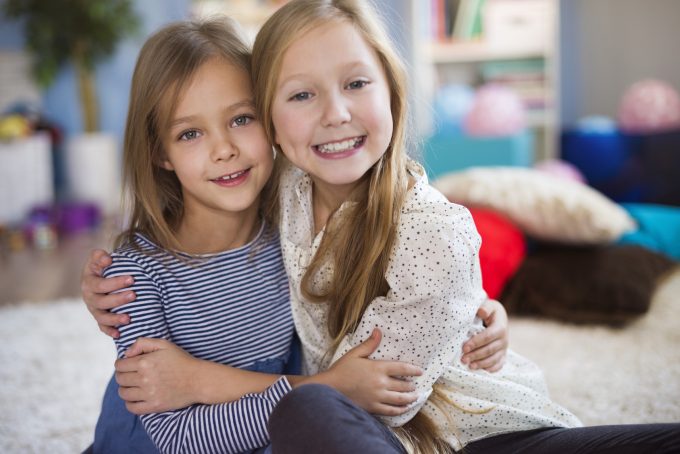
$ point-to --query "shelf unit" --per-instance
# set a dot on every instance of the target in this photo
(438, 62)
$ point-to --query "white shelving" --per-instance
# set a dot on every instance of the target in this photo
(440, 62)
(480, 51)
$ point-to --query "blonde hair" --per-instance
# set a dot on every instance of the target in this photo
(360, 243)
(166, 64)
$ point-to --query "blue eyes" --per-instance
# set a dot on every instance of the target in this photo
(305, 95)
(237, 122)
(241, 120)
(189, 135)
(357, 84)
(301, 96)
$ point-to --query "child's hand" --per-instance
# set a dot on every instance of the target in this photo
(97, 294)
(486, 350)
(156, 376)
(379, 387)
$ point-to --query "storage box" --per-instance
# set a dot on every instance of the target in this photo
(447, 152)
(519, 23)
(640, 168)
(25, 177)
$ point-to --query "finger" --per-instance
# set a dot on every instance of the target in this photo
(483, 352)
(498, 366)
(387, 410)
(97, 261)
(398, 399)
(106, 318)
(144, 345)
(128, 379)
(485, 310)
(108, 301)
(126, 365)
(401, 386)
(109, 331)
(364, 349)
(482, 338)
(100, 285)
(489, 361)
(400, 369)
(131, 394)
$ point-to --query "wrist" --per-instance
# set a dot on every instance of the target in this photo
(321, 378)
(200, 388)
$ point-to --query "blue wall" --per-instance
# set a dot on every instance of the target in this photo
(60, 100)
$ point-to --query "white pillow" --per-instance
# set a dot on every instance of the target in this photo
(542, 205)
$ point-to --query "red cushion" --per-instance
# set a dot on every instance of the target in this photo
(502, 252)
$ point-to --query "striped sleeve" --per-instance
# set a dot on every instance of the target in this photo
(227, 428)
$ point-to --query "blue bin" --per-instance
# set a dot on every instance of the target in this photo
(446, 152)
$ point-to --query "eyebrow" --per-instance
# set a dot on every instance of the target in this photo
(346, 67)
(235, 106)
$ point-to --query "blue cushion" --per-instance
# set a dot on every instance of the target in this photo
(658, 228)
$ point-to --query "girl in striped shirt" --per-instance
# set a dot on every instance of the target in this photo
(206, 264)
(204, 255)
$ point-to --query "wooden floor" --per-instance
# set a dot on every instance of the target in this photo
(33, 275)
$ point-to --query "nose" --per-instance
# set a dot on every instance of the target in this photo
(335, 110)
(223, 148)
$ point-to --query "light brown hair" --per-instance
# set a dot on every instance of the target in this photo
(360, 243)
(166, 63)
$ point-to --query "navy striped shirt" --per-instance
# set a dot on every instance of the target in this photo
(233, 308)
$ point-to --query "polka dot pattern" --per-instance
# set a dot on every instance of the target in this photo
(428, 313)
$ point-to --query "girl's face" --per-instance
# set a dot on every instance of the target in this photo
(331, 108)
(215, 146)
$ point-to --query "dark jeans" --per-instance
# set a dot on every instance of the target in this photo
(619, 439)
(318, 419)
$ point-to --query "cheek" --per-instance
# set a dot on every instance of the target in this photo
(285, 126)
(261, 150)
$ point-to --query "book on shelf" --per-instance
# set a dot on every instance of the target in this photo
(526, 77)
(459, 20)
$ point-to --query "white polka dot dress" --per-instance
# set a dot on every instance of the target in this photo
(428, 313)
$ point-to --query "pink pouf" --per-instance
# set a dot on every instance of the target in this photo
(649, 106)
(560, 169)
(496, 111)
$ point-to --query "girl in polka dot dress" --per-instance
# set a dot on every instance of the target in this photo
(371, 248)
(368, 243)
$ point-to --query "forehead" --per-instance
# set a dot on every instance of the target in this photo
(216, 78)
(333, 42)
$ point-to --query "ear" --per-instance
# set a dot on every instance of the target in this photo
(167, 165)
(161, 160)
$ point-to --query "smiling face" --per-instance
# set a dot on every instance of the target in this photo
(331, 109)
(215, 146)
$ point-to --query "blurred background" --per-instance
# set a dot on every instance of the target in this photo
(493, 83)
(557, 122)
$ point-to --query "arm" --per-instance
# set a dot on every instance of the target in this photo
(157, 376)
(98, 295)
(485, 350)
(435, 292)
(233, 427)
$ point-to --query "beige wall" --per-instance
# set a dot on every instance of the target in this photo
(607, 45)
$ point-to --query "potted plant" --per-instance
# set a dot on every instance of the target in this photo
(83, 33)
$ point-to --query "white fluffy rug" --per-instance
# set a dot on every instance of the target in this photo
(54, 365)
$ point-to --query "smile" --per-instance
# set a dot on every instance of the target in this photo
(232, 179)
(341, 146)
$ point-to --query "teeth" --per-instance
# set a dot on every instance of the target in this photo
(232, 176)
(339, 146)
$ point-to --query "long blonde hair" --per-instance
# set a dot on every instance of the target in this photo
(165, 66)
(360, 243)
